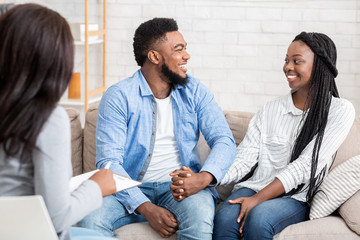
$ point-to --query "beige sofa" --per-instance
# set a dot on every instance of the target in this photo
(331, 227)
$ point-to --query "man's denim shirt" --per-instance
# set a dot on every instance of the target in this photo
(126, 127)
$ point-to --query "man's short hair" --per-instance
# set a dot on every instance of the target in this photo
(148, 33)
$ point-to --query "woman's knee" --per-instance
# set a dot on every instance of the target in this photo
(259, 223)
(227, 213)
(225, 222)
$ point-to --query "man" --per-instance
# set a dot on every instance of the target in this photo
(147, 127)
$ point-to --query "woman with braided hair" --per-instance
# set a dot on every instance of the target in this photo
(292, 142)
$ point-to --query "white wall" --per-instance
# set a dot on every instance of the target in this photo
(237, 47)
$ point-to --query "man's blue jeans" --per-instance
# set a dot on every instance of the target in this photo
(78, 233)
(263, 222)
(194, 214)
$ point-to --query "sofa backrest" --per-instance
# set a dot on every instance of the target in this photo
(76, 141)
(238, 123)
(89, 153)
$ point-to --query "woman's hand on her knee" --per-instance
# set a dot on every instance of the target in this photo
(105, 179)
(273, 190)
(247, 204)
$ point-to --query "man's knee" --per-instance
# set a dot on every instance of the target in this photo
(195, 216)
(97, 220)
(102, 219)
(200, 206)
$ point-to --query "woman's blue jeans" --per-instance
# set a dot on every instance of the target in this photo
(263, 222)
(194, 214)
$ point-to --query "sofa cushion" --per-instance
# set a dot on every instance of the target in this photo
(350, 211)
(139, 231)
(76, 141)
(338, 186)
(328, 228)
(89, 154)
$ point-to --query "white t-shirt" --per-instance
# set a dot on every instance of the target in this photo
(165, 157)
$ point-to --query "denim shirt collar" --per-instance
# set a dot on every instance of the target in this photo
(145, 89)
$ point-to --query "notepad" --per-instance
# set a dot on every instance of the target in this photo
(121, 182)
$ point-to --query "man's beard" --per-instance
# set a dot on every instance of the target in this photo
(173, 78)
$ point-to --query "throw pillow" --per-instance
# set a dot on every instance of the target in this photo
(340, 184)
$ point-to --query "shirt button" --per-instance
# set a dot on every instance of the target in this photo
(154, 112)
(129, 207)
(150, 154)
(142, 173)
(153, 133)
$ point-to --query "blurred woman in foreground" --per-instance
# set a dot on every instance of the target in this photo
(36, 64)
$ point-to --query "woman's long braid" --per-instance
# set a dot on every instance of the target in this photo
(322, 88)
